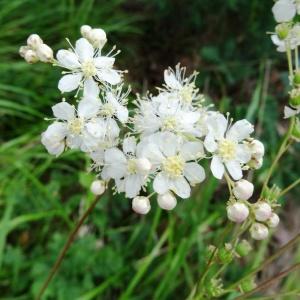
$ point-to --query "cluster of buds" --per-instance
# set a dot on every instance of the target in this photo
(36, 50)
(96, 36)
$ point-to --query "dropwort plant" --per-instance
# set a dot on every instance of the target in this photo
(157, 150)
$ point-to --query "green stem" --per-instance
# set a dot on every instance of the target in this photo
(287, 189)
(270, 281)
(290, 62)
(64, 250)
(296, 59)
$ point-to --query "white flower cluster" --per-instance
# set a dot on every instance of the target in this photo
(287, 39)
(159, 147)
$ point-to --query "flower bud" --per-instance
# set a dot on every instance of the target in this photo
(34, 41)
(243, 189)
(85, 30)
(23, 50)
(243, 248)
(167, 201)
(295, 97)
(45, 53)
(247, 285)
(237, 212)
(97, 37)
(259, 231)
(31, 57)
(143, 165)
(255, 163)
(141, 205)
(262, 211)
(282, 30)
(273, 221)
(225, 255)
(98, 187)
(257, 149)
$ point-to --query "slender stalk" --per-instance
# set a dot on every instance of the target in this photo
(291, 243)
(65, 248)
(296, 59)
(270, 281)
(291, 186)
(290, 62)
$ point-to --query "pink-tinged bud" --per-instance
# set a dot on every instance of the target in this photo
(259, 231)
(31, 57)
(141, 205)
(237, 212)
(262, 211)
(45, 53)
(34, 41)
(98, 187)
(243, 189)
(273, 221)
(167, 201)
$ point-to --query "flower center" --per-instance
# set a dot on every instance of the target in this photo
(88, 68)
(173, 166)
(186, 93)
(107, 110)
(169, 123)
(227, 149)
(132, 166)
(75, 126)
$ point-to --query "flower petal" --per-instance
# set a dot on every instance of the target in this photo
(192, 150)
(217, 125)
(181, 187)
(129, 145)
(194, 173)
(243, 153)
(170, 80)
(240, 130)
(69, 82)
(169, 143)
(152, 152)
(84, 49)
(109, 75)
(217, 167)
(88, 108)
(104, 62)
(90, 88)
(63, 111)
(161, 183)
(68, 59)
(234, 169)
(133, 185)
(284, 10)
(210, 143)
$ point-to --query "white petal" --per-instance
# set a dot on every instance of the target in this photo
(243, 153)
(109, 75)
(284, 10)
(84, 50)
(289, 112)
(181, 187)
(74, 141)
(171, 80)
(217, 125)
(129, 145)
(90, 88)
(88, 108)
(152, 152)
(161, 183)
(97, 128)
(133, 185)
(69, 82)
(122, 112)
(192, 150)
(234, 169)
(114, 155)
(97, 157)
(63, 111)
(169, 143)
(194, 173)
(112, 128)
(210, 143)
(217, 167)
(68, 59)
(240, 130)
(104, 62)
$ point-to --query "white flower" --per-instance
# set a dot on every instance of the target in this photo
(243, 189)
(237, 212)
(174, 162)
(259, 231)
(141, 205)
(273, 221)
(87, 67)
(125, 167)
(71, 128)
(167, 201)
(262, 211)
(284, 10)
(98, 187)
(226, 146)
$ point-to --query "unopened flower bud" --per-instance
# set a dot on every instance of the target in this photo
(98, 187)
(143, 165)
(259, 231)
(85, 30)
(247, 285)
(23, 50)
(243, 248)
(167, 201)
(243, 189)
(34, 41)
(262, 211)
(295, 97)
(225, 255)
(257, 149)
(141, 205)
(31, 57)
(237, 212)
(273, 221)
(255, 163)
(45, 53)
(282, 30)
(97, 37)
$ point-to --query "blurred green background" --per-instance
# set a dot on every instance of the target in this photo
(120, 255)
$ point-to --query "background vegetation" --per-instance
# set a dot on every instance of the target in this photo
(120, 255)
